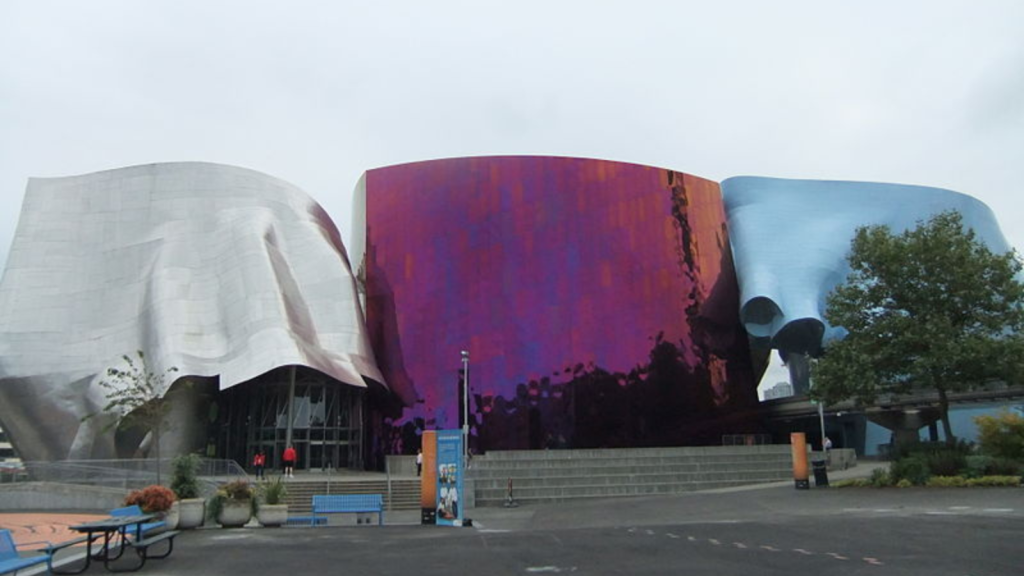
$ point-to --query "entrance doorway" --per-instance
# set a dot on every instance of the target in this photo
(327, 420)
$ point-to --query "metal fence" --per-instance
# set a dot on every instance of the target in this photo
(128, 474)
(746, 439)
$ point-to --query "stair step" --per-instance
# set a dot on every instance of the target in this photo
(567, 475)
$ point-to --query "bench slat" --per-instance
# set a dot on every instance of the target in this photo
(348, 503)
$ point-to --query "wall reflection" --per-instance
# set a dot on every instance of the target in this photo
(598, 300)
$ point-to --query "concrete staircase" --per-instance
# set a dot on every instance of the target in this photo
(405, 492)
(543, 476)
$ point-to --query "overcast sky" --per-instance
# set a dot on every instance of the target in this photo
(922, 92)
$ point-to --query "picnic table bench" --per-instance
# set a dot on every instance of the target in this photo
(11, 560)
(346, 503)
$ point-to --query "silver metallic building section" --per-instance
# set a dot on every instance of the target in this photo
(216, 270)
(790, 239)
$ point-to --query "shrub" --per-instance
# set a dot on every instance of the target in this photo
(880, 478)
(184, 476)
(912, 468)
(977, 466)
(273, 492)
(904, 483)
(236, 491)
(1001, 435)
(151, 499)
(915, 448)
(998, 481)
(1003, 467)
(950, 462)
(946, 482)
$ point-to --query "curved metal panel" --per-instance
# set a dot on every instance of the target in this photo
(790, 239)
(217, 270)
(597, 301)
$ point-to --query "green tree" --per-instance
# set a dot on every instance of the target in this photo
(928, 309)
(135, 399)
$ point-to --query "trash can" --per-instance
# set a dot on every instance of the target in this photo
(820, 473)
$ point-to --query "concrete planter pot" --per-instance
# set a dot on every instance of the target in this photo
(172, 516)
(235, 513)
(191, 512)
(272, 515)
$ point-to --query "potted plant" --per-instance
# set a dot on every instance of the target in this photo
(270, 507)
(232, 505)
(185, 483)
(157, 500)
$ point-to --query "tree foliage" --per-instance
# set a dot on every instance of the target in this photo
(134, 397)
(928, 309)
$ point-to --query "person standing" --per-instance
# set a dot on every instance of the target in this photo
(289, 461)
(419, 461)
(258, 462)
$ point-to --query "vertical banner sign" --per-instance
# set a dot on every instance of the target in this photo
(449, 478)
(428, 478)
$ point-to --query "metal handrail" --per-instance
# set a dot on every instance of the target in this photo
(126, 473)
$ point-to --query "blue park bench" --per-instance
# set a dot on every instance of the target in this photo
(346, 503)
(12, 561)
(141, 529)
(141, 540)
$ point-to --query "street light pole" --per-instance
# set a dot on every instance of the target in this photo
(821, 421)
(465, 409)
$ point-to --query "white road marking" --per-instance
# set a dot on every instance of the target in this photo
(556, 569)
(649, 532)
(804, 552)
(691, 538)
(715, 542)
(769, 548)
(740, 545)
(872, 561)
(959, 507)
(998, 510)
(493, 531)
(671, 535)
(940, 513)
(837, 556)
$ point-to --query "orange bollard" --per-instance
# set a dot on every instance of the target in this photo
(798, 442)
(428, 478)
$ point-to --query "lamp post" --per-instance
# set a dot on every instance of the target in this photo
(465, 408)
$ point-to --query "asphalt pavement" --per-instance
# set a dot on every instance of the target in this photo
(772, 529)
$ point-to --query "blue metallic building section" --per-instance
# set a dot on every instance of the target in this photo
(790, 239)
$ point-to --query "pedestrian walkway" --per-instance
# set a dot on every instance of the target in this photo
(44, 526)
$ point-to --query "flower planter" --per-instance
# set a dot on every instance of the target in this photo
(191, 512)
(235, 513)
(172, 516)
(271, 515)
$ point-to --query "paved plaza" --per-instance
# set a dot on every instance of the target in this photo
(772, 529)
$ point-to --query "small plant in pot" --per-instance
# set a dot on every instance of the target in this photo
(232, 505)
(270, 507)
(185, 483)
(157, 500)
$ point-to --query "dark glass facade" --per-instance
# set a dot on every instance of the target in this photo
(327, 420)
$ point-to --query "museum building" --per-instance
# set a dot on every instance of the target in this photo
(594, 304)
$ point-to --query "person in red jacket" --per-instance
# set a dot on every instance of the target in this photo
(258, 462)
(289, 461)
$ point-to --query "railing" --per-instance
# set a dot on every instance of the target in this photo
(128, 474)
(746, 439)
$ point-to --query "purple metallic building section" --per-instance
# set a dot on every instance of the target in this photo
(597, 299)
